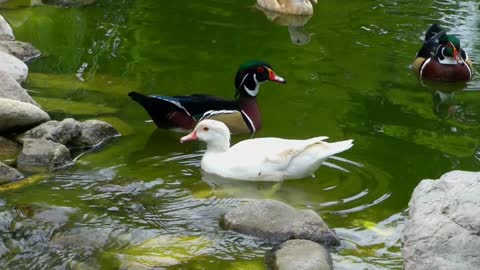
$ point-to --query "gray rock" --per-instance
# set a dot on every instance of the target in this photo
(9, 150)
(82, 237)
(10, 88)
(42, 155)
(93, 132)
(299, 255)
(69, 3)
(59, 132)
(21, 50)
(9, 174)
(13, 66)
(443, 231)
(6, 32)
(58, 215)
(16, 115)
(276, 221)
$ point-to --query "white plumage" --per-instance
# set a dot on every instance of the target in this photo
(268, 159)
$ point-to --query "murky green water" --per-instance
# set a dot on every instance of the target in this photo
(142, 199)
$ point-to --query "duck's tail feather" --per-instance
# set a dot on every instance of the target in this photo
(160, 109)
(338, 147)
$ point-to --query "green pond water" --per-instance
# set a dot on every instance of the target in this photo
(141, 200)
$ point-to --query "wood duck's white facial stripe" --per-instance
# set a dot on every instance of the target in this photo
(213, 112)
(176, 103)
(253, 92)
(447, 60)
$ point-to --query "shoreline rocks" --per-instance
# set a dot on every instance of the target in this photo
(11, 89)
(13, 66)
(16, 115)
(40, 155)
(443, 231)
(6, 32)
(299, 254)
(276, 221)
(9, 174)
(22, 50)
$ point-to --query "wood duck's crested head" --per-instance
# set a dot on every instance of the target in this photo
(452, 46)
(250, 75)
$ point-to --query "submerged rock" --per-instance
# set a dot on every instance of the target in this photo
(82, 237)
(10, 88)
(58, 215)
(42, 155)
(13, 66)
(276, 221)
(16, 115)
(93, 132)
(69, 3)
(21, 50)
(8, 150)
(299, 255)
(55, 131)
(9, 174)
(6, 32)
(443, 231)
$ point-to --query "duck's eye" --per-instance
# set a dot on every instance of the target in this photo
(205, 128)
(260, 69)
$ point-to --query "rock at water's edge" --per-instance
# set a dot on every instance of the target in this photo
(19, 115)
(59, 132)
(9, 150)
(443, 230)
(276, 221)
(13, 66)
(6, 32)
(93, 132)
(299, 254)
(42, 155)
(21, 50)
(10, 88)
(9, 174)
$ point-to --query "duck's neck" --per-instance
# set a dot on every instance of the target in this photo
(219, 145)
(250, 108)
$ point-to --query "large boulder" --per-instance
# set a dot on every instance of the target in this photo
(43, 155)
(69, 3)
(10, 88)
(276, 221)
(21, 50)
(9, 174)
(299, 254)
(443, 230)
(19, 115)
(55, 131)
(94, 132)
(6, 32)
(13, 66)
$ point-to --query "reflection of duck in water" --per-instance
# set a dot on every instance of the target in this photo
(443, 104)
(295, 24)
(292, 7)
(441, 58)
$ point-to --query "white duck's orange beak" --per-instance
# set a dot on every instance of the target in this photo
(190, 137)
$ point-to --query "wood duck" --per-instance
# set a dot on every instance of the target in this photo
(241, 115)
(441, 58)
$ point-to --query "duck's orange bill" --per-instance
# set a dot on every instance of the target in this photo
(455, 54)
(190, 137)
(274, 77)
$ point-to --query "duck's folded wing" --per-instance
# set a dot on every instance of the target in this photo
(198, 105)
(281, 156)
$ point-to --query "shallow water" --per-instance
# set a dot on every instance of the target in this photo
(350, 80)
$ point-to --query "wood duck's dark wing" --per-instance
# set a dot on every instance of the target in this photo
(198, 105)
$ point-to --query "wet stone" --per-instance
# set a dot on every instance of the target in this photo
(276, 221)
(299, 255)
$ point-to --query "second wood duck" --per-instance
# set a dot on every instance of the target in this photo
(241, 115)
(441, 58)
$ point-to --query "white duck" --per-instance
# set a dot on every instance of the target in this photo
(269, 159)
(293, 7)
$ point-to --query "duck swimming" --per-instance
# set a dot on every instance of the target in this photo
(266, 159)
(441, 58)
(241, 115)
(293, 7)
